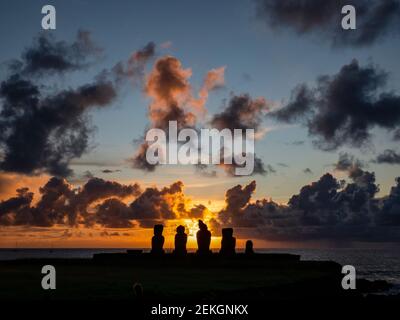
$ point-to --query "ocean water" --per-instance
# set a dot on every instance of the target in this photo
(371, 264)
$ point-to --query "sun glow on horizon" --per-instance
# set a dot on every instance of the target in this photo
(192, 227)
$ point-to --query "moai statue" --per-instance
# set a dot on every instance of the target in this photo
(180, 241)
(203, 239)
(228, 242)
(249, 247)
(157, 242)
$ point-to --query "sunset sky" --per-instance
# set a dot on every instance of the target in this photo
(346, 124)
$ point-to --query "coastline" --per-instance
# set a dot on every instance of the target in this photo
(191, 278)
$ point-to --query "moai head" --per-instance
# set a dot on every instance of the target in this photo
(158, 229)
(180, 230)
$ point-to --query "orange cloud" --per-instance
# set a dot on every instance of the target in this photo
(214, 79)
(9, 182)
(169, 88)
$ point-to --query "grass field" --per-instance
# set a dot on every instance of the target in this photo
(84, 279)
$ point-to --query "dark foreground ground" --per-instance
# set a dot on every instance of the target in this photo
(263, 280)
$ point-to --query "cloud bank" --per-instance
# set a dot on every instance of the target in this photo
(326, 209)
(42, 129)
(344, 108)
(322, 19)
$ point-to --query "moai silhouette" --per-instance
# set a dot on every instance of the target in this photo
(249, 247)
(157, 242)
(228, 242)
(180, 241)
(203, 239)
